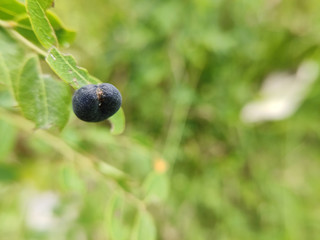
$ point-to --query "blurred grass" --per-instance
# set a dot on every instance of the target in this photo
(185, 70)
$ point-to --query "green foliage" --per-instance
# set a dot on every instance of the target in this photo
(186, 167)
(40, 23)
(39, 94)
(116, 214)
(9, 9)
(9, 132)
(13, 55)
(119, 227)
(45, 3)
(156, 187)
(33, 25)
(144, 227)
(64, 35)
(117, 122)
(5, 75)
(66, 68)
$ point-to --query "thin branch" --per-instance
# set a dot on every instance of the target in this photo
(60, 146)
(9, 25)
(64, 149)
(25, 41)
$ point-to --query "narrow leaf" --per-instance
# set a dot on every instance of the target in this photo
(116, 228)
(110, 171)
(24, 27)
(144, 227)
(10, 134)
(66, 68)
(70, 179)
(13, 55)
(4, 72)
(41, 98)
(6, 99)
(65, 36)
(156, 187)
(9, 9)
(45, 3)
(117, 122)
(40, 24)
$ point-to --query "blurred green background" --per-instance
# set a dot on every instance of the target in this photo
(185, 70)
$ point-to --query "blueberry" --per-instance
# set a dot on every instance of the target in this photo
(95, 103)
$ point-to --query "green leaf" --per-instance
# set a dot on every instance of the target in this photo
(24, 27)
(9, 9)
(66, 68)
(7, 98)
(13, 55)
(70, 179)
(110, 171)
(45, 3)
(5, 15)
(4, 72)
(28, 34)
(116, 227)
(144, 227)
(65, 36)
(41, 98)
(23, 21)
(117, 122)
(40, 24)
(10, 133)
(8, 173)
(156, 187)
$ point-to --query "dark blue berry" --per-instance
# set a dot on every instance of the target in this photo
(95, 103)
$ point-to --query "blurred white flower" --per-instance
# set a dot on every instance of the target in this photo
(41, 214)
(40, 211)
(281, 94)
